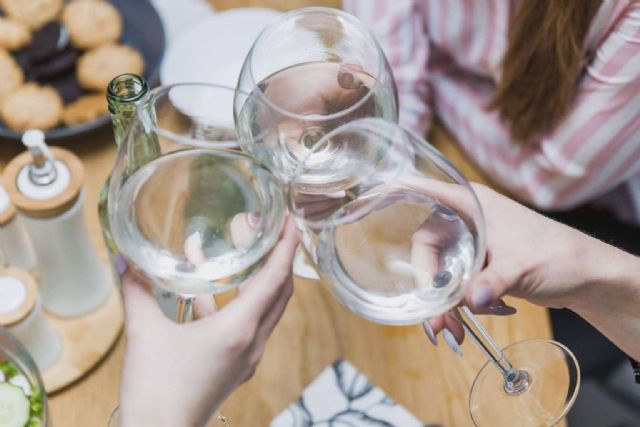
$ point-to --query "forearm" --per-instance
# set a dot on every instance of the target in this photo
(609, 297)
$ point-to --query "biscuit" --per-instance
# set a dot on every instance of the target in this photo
(85, 109)
(32, 13)
(13, 34)
(32, 107)
(98, 66)
(11, 76)
(92, 23)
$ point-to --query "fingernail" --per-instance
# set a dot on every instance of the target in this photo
(482, 296)
(121, 265)
(428, 330)
(501, 310)
(451, 342)
(347, 78)
(337, 194)
(254, 219)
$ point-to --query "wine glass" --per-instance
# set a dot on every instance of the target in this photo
(193, 217)
(317, 68)
(397, 232)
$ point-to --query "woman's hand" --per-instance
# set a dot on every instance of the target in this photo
(177, 375)
(528, 256)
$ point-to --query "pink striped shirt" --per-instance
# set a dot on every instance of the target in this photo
(446, 56)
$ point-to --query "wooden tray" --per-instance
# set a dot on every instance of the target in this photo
(85, 340)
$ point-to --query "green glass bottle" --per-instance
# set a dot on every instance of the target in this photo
(126, 94)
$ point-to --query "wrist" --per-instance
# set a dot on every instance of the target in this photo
(605, 275)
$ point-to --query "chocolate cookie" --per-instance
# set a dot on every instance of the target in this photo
(32, 13)
(11, 76)
(85, 109)
(63, 62)
(48, 41)
(32, 107)
(67, 86)
(92, 23)
(98, 66)
(13, 34)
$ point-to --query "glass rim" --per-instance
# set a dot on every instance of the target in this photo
(327, 11)
(159, 92)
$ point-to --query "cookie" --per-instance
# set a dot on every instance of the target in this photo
(92, 23)
(48, 41)
(98, 66)
(85, 109)
(13, 34)
(11, 76)
(32, 13)
(61, 63)
(32, 107)
(67, 86)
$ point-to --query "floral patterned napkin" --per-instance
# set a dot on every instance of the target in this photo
(343, 397)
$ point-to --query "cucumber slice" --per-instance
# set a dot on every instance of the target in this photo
(22, 382)
(14, 406)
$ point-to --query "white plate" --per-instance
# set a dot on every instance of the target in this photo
(213, 52)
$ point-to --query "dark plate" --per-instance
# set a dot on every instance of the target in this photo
(143, 31)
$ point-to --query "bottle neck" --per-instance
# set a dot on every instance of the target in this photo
(124, 95)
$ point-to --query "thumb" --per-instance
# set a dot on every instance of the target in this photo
(486, 288)
(140, 304)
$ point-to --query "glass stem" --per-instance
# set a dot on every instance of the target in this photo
(185, 314)
(184, 309)
(516, 381)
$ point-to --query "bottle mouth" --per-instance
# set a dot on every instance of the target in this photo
(127, 87)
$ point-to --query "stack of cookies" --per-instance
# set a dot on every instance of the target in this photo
(56, 60)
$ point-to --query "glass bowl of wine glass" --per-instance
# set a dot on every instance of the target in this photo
(316, 68)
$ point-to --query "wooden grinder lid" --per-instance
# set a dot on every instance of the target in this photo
(36, 205)
(18, 292)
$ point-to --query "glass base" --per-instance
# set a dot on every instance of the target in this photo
(554, 380)
(301, 267)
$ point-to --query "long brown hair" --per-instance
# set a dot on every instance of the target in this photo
(541, 67)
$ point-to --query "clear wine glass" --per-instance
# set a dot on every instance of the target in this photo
(317, 68)
(192, 216)
(397, 232)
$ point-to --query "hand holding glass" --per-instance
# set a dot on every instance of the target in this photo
(397, 232)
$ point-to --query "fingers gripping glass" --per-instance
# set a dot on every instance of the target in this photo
(397, 232)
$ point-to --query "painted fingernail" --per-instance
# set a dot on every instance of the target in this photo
(121, 265)
(337, 194)
(451, 342)
(347, 78)
(254, 219)
(482, 296)
(428, 330)
(501, 310)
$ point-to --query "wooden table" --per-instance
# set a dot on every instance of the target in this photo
(432, 382)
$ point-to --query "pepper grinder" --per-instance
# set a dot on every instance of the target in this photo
(15, 242)
(46, 187)
(21, 314)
